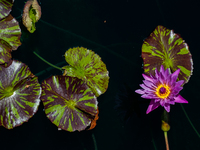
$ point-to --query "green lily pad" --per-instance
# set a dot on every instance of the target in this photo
(6, 7)
(10, 34)
(88, 66)
(31, 14)
(69, 103)
(164, 47)
(19, 94)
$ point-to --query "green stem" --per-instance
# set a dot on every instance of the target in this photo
(166, 140)
(47, 61)
(95, 143)
(190, 121)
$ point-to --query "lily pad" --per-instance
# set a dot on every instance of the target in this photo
(6, 7)
(10, 34)
(69, 103)
(88, 66)
(31, 15)
(19, 94)
(164, 47)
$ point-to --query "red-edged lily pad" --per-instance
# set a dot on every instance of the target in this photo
(6, 7)
(88, 66)
(31, 15)
(19, 94)
(10, 34)
(69, 103)
(94, 121)
(164, 47)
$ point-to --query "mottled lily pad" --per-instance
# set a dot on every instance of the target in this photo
(88, 66)
(69, 103)
(10, 34)
(19, 94)
(6, 7)
(31, 15)
(164, 47)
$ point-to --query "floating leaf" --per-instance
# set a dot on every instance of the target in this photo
(88, 66)
(5, 9)
(69, 103)
(19, 94)
(5, 50)
(31, 15)
(164, 47)
(10, 34)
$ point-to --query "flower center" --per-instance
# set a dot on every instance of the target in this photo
(163, 91)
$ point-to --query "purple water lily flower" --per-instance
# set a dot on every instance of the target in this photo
(162, 89)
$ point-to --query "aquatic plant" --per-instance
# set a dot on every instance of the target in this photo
(19, 94)
(85, 69)
(10, 34)
(6, 7)
(164, 122)
(88, 66)
(106, 48)
(69, 100)
(165, 49)
(31, 15)
(162, 89)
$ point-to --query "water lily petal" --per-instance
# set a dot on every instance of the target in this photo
(176, 73)
(162, 70)
(157, 73)
(180, 99)
(157, 100)
(147, 77)
(143, 86)
(149, 96)
(162, 79)
(148, 83)
(147, 89)
(139, 91)
(171, 102)
(162, 102)
(177, 90)
(153, 105)
(172, 82)
(167, 107)
(166, 73)
(179, 83)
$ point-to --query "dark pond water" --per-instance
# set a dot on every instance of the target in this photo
(115, 30)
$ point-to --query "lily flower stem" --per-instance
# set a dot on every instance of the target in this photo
(166, 140)
(47, 62)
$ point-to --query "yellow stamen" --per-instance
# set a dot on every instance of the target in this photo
(163, 91)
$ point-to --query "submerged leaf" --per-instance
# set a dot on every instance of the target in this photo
(19, 94)
(5, 9)
(31, 15)
(10, 34)
(69, 103)
(88, 66)
(164, 47)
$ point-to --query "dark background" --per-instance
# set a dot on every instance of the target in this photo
(69, 23)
